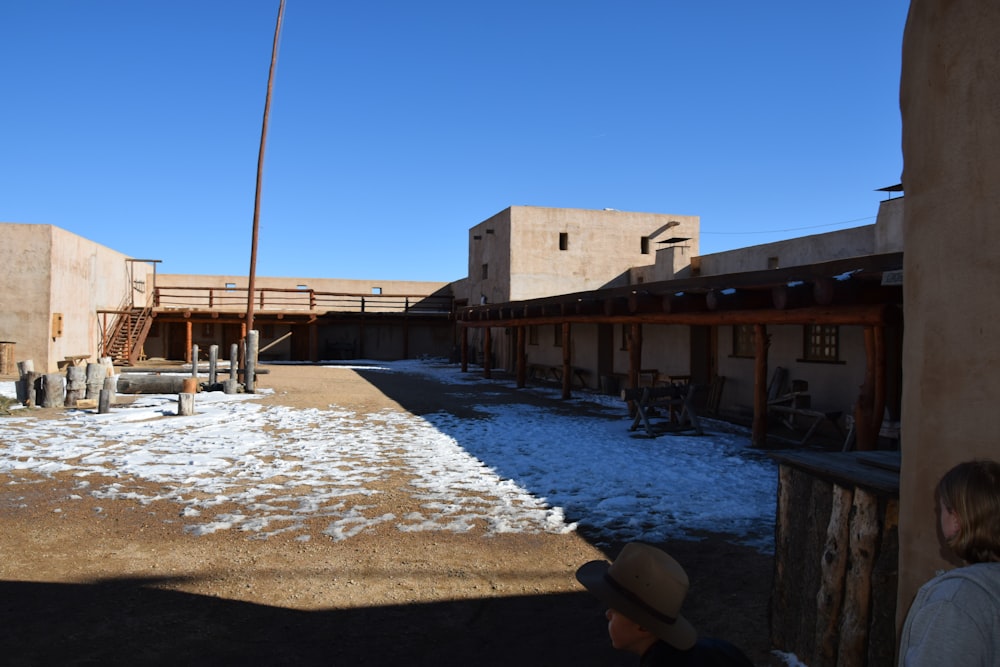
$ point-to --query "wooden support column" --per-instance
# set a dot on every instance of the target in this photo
(487, 352)
(188, 340)
(406, 337)
(313, 334)
(567, 372)
(361, 337)
(634, 361)
(758, 438)
(464, 349)
(522, 372)
(866, 423)
(634, 354)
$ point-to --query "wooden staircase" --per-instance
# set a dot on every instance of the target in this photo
(124, 340)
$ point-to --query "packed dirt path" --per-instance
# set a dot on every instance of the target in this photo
(116, 582)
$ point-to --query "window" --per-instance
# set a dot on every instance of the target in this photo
(207, 330)
(772, 262)
(230, 286)
(743, 340)
(376, 290)
(563, 241)
(486, 271)
(821, 342)
(532, 334)
(644, 245)
(557, 335)
(302, 288)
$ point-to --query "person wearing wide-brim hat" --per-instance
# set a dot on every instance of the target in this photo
(644, 589)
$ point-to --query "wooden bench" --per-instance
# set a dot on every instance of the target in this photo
(73, 360)
(813, 417)
(676, 398)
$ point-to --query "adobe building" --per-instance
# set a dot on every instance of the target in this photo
(54, 285)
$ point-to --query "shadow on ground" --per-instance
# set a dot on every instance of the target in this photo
(130, 622)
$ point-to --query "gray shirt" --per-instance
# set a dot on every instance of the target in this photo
(955, 620)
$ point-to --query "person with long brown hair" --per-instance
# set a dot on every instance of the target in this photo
(955, 617)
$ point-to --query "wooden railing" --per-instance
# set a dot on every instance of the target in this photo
(234, 299)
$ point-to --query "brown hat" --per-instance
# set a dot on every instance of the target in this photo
(647, 586)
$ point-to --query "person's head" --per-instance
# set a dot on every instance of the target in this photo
(969, 498)
(644, 589)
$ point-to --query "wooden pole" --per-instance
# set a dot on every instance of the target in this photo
(522, 366)
(865, 431)
(567, 371)
(260, 168)
(487, 352)
(213, 361)
(465, 349)
(758, 437)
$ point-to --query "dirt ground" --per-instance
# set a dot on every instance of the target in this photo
(117, 582)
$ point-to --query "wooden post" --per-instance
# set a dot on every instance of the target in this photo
(185, 404)
(487, 352)
(32, 386)
(465, 349)
(53, 387)
(758, 437)
(188, 337)
(567, 372)
(522, 368)
(858, 586)
(76, 385)
(24, 368)
(95, 379)
(108, 393)
(253, 343)
(634, 361)
(634, 355)
(104, 402)
(213, 362)
(865, 431)
(833, 564)
(234, 361)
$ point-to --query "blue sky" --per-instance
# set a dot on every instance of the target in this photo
(396, 126)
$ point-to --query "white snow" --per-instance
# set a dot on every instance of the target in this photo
(517, 468)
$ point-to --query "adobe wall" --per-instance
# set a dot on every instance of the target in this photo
(87, 277)
(601, 246)
(949, 96)
(841, 244)
(25, 275)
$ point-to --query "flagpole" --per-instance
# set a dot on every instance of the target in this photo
(260, 172)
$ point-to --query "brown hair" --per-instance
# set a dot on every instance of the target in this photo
(972, 491)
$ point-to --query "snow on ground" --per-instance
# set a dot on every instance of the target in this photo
(518, 468)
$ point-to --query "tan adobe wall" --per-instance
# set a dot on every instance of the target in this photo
(951, 353)
(25, 268)
(49, 271)
(521, 248)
